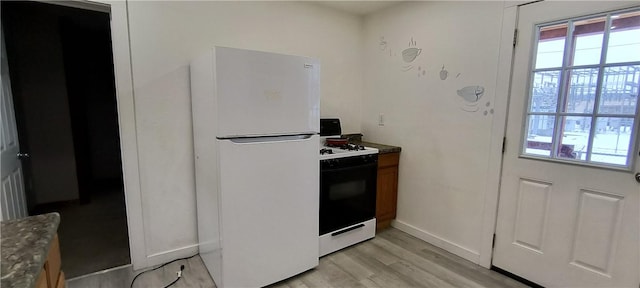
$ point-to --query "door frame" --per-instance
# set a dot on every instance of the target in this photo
(123, 73)
(125, 102)
(498, 129)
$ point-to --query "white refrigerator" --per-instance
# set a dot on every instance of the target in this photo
(255, 125)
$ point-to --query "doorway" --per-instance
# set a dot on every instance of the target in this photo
(62, 79)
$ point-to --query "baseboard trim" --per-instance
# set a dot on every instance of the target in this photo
(166, 256)
(126, 266)
(439, 242)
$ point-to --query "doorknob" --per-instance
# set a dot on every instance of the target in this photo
(26, 155)
(638, 177)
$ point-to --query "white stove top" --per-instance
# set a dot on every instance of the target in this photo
(337, 152)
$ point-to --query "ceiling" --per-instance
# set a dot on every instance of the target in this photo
(362, 7)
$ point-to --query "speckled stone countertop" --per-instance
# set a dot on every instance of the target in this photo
(383, 149)
(25, 246)
(356, 138)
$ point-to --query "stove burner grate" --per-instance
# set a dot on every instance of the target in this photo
(325, 151)
(350, 147)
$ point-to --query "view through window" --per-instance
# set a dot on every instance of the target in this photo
(584, 90)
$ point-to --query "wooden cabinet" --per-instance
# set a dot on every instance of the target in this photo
(51, 275)
(42, 280)
(387, 189)
(61, 281)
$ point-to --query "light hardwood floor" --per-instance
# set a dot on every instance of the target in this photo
(392, 259)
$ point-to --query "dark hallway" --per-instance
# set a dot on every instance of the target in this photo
(61, 67)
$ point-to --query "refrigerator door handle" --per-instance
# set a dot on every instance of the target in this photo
(265, 139)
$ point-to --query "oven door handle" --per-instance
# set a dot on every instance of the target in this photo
(347, 229)
(375, 165)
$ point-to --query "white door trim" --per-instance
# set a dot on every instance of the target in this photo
(82, 4)
(499, 126)
(128, 134)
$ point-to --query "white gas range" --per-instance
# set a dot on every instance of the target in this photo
(348, 178)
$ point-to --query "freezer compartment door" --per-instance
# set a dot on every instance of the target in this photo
(261, 93)
(270, 207)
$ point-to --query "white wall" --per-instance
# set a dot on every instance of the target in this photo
(164, 37)
(444, 165)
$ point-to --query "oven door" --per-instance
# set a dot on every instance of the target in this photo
(347, 191)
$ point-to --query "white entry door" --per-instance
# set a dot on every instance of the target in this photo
(568, 212)
(13, 200)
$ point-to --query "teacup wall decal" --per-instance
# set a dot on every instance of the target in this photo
(471, 93)
(410, 54)
(444, 74)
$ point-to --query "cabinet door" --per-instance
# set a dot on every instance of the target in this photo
(387, 189)
(53, 262)
(386, 198)
(61, 281)
(42, 280)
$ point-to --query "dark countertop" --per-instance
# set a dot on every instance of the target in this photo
(356, 138)
(25, 245)
(382, 148)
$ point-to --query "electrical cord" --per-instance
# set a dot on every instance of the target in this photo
(165, 264)
(179, 276)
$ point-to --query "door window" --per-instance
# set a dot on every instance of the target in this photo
(584, 90)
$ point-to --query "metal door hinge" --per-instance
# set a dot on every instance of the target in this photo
(493, 242)
(515, 37)
(504, 144)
